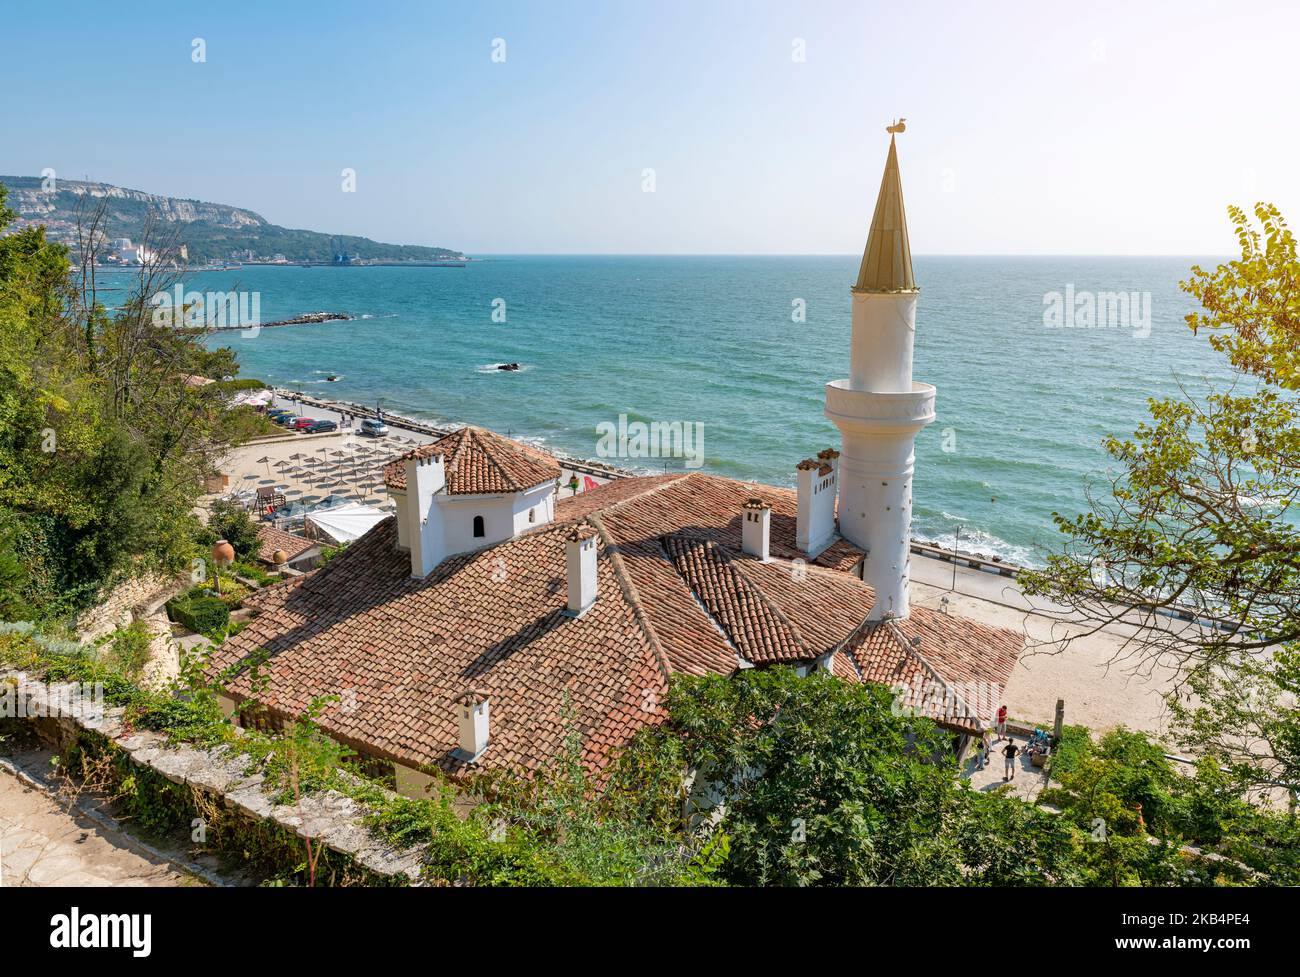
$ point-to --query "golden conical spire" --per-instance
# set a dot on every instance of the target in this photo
(887, 261)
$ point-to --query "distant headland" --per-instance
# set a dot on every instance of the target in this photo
(210, 233)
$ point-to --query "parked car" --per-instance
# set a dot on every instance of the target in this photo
(373, 429)
(285, 420)
(317, 427)
(302, 423)
(277, 412)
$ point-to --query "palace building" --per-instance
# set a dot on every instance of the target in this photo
(489, 618)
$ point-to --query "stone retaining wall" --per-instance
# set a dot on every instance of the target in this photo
(330, 818)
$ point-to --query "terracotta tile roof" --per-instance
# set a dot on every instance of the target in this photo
(884, 652)
(675, 595)
(397, 652)
(755, 626)
(666, 503)
(272, 539)
(480, 462)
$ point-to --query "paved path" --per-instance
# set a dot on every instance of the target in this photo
(42, 844)
(1097, 674)
(1029, 780)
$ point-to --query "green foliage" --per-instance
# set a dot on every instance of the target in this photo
(623, 831)
(1202, 514)
(127, 649)
(235, 386)
(1138, 812)
(232, 522)
(253, 572)
(825, 783)
(102, 445)
(1252, 305)
(302, 759)
(200, 613)
(328, 553)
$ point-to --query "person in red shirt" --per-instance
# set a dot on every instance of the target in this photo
(1002, 723)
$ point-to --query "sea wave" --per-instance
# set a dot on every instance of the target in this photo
(978, 542)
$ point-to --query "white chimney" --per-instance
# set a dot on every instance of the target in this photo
(474, 714)
(756, 529)
(816, 486)
(580, 554)
(425, 478)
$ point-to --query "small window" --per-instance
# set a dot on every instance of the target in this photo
(532, 515)
(478, 527)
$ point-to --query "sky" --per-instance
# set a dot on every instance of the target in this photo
(675, 128)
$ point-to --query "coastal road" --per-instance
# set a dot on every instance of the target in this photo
(420, 437)
(1102, 676)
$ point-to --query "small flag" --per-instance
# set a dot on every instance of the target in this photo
(589, 483)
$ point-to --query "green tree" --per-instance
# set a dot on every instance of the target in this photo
(1201, 515)
(232, 522)
(102, 444)
(823, 782)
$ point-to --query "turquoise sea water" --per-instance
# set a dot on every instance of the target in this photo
(711, 339)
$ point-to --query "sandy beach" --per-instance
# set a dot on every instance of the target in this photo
(310, 468)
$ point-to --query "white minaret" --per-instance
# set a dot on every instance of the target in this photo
(879, 408)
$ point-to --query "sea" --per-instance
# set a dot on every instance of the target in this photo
(1028, 385)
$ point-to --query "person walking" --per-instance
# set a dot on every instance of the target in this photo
(981, 754)
(1002, 723)
(986, 746)
(1010, 752)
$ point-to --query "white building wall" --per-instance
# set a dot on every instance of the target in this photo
(457, 513)
(403, 529)
(540, 502)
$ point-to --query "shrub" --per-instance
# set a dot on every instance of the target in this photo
(201, 614)
(232, 522)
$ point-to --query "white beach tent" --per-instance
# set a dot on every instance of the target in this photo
(343, 523)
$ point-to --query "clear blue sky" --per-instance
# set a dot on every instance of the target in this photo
(1125, 128)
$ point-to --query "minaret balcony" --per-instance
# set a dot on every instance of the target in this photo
(868, 412)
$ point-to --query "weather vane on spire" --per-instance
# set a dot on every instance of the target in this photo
(900, 125)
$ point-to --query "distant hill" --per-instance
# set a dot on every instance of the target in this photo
(211, 231)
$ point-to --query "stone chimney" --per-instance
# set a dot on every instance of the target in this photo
(580, 557)
(475, 716)
(756, 529)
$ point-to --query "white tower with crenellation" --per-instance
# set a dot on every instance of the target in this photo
(879, 408)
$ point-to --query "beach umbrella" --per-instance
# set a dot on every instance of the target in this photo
(288, 469)
(265, 460)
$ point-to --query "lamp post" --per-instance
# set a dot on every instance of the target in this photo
(956, 542)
